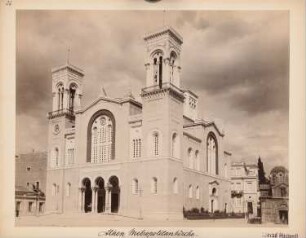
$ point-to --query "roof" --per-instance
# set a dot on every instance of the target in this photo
(204, 124)
(165, 30)
(69, 67)
(113, 100)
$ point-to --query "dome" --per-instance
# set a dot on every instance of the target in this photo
(278, 169)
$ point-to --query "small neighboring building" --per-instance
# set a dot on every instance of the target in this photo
(274, 197)
(30, 183)
(244, 188)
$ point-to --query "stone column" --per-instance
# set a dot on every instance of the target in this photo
(94, 199)
(81, 198)
(108, 199)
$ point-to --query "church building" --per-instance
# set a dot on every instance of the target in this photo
(148, 159)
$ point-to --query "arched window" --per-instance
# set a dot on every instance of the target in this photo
(175, 145)
(197, 160)
(53, 189)
(101, 131)
(68, 186)
(283, 192)
(135, 187)
(190, 191)
(56, 157)
(136, 148)
(60, 96)
(154, 185)
(212, 154)
(72, 91)
(214, 192)
(156, 143)
(158, 68)
(197, 192)
(175, 186)
(190, 158)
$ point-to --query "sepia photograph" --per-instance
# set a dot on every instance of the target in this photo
(166, 115)
(153, 122)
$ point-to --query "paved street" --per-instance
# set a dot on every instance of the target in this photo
(99, 220)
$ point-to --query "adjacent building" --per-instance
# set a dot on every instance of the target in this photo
(141, 159)
(244, 188)
(30, 183)
(274, 198)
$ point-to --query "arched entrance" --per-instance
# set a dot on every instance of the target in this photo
(115, 193)
(88, 195)
(100, 195)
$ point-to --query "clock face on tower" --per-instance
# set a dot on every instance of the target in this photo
(56, 129)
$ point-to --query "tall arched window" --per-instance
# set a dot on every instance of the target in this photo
(72, 92)
(156, 143)
(212, 154)
(197, 192)
(158, 68)
(154, 185)
(53, 189)
(190, 191)
(197, 160)
(135, 186)
(175, 186)
(56, 157)
(68, 187)
(101, 130)
(190, 158)
(60, 96)
(175, 145)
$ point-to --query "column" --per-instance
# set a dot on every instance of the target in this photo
(108, 201)
(93, 199)
(166, 71)
(83, 200)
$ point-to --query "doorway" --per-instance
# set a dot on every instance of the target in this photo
(88, 195)
(101, 195)
(115, 194)
(283, 216)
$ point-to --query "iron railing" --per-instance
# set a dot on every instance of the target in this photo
(161, 86)
(61, 112)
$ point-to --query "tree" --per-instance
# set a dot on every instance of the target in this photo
(261, 172)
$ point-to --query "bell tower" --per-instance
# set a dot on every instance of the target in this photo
(163, 58)
(66, 99)
(66, 88)
(162, 120)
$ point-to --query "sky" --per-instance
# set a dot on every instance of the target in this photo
(236, 61)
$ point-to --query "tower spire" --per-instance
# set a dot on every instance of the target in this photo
(68, 54)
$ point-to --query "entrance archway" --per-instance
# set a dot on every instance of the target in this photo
(115, 194)
(88, 195)
(100, 195)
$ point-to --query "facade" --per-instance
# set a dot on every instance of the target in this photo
(244, 188)
(30, 183)
(140, 159)
(275, 203)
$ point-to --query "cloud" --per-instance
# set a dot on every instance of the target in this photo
(236, 61)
